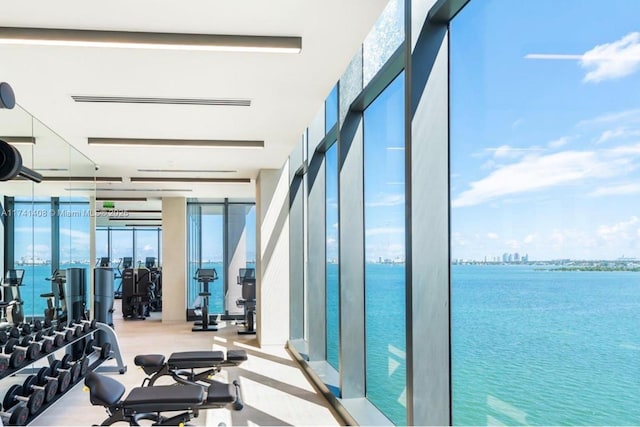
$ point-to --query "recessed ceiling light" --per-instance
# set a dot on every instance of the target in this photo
(162, 101)
(196, 180)
(188, 170)
(140, 40)
(215, 143)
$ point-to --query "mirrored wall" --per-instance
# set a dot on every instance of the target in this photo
(45, 225)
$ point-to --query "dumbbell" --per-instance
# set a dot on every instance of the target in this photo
(104, 351)
(76, 367)
(86, 324)
(14, 357)
(50, 389)
(76, 331)
(64, 375)
(15, 395)
(44, 378)
(17, 417)
(66, 334)
(31, 349)
(46, 342)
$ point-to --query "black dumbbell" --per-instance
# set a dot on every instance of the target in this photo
(63, 375)
(60, 329)
(17, 417)
(31, 349)
(21, 329)
(73, 331)
(15, 395)
(74, 367)
(50, 389)
(46, 342)
(44, 378)
(14, 357)
(104, 351)
(86, 324)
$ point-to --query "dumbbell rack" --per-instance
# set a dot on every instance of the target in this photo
(95, 362)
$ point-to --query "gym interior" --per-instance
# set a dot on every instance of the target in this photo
(249, 213)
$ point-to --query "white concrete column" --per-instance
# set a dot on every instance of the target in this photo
(272, 269)
(174, 259)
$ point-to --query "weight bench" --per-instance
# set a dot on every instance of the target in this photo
(144, 403)
(182, 366)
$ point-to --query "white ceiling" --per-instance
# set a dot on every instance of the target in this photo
(286, 90)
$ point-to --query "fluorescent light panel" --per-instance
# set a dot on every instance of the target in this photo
(18, 139)
(121, 199)
(145, 211)
(140, 40)
(188, 170)
(83, 178)
(134, 219)
(195, 180)
(216, 143)
(162, 101)
(143, 190)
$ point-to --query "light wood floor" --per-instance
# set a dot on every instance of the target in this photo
(274, 389)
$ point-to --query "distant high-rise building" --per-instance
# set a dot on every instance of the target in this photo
(516, 257)
(505, 257)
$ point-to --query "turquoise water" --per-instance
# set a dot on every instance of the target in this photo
(529, 346)
(545, 347)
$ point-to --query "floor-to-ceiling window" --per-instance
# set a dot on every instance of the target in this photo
(32, 251)
(211, 226)
(332, 278)
(384, 220)
(74, 234)
(545, 292)
(147, 246)
(121, 246)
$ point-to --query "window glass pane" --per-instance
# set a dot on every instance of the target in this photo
(147, 246)
(32, 249)
(385, 37)
(212, 256)
(121, 246)
(331, 109)
(102, 244)
(384, 215)
(332, 289)
(241, 251)
(74, 235)
(545, 293)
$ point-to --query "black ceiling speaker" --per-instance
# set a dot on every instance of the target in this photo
(11, 164)
(7, 97)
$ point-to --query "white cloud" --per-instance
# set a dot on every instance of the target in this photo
(534, 173)
(612, 60)
(384, 230)
(492, 236)
(624, 230)
(618, 133)
(616, 190)
(517, 123)
(627, 116)
(530, 238)
(508, 152)
(387, 200)
(513, 244)
(557, 143)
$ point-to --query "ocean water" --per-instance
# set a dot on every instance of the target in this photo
(545, 347)
(529, 346)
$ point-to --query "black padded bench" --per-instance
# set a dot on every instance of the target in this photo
(144, 402)
(181, 366)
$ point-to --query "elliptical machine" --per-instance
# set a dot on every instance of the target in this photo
(205, 276)
(247, 279)
(56, 303)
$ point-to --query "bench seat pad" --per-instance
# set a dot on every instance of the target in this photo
(195, 359)
(164, 398)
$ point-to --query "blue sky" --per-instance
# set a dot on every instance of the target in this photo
(545, 129)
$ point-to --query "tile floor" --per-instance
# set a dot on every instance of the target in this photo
(274, 389)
